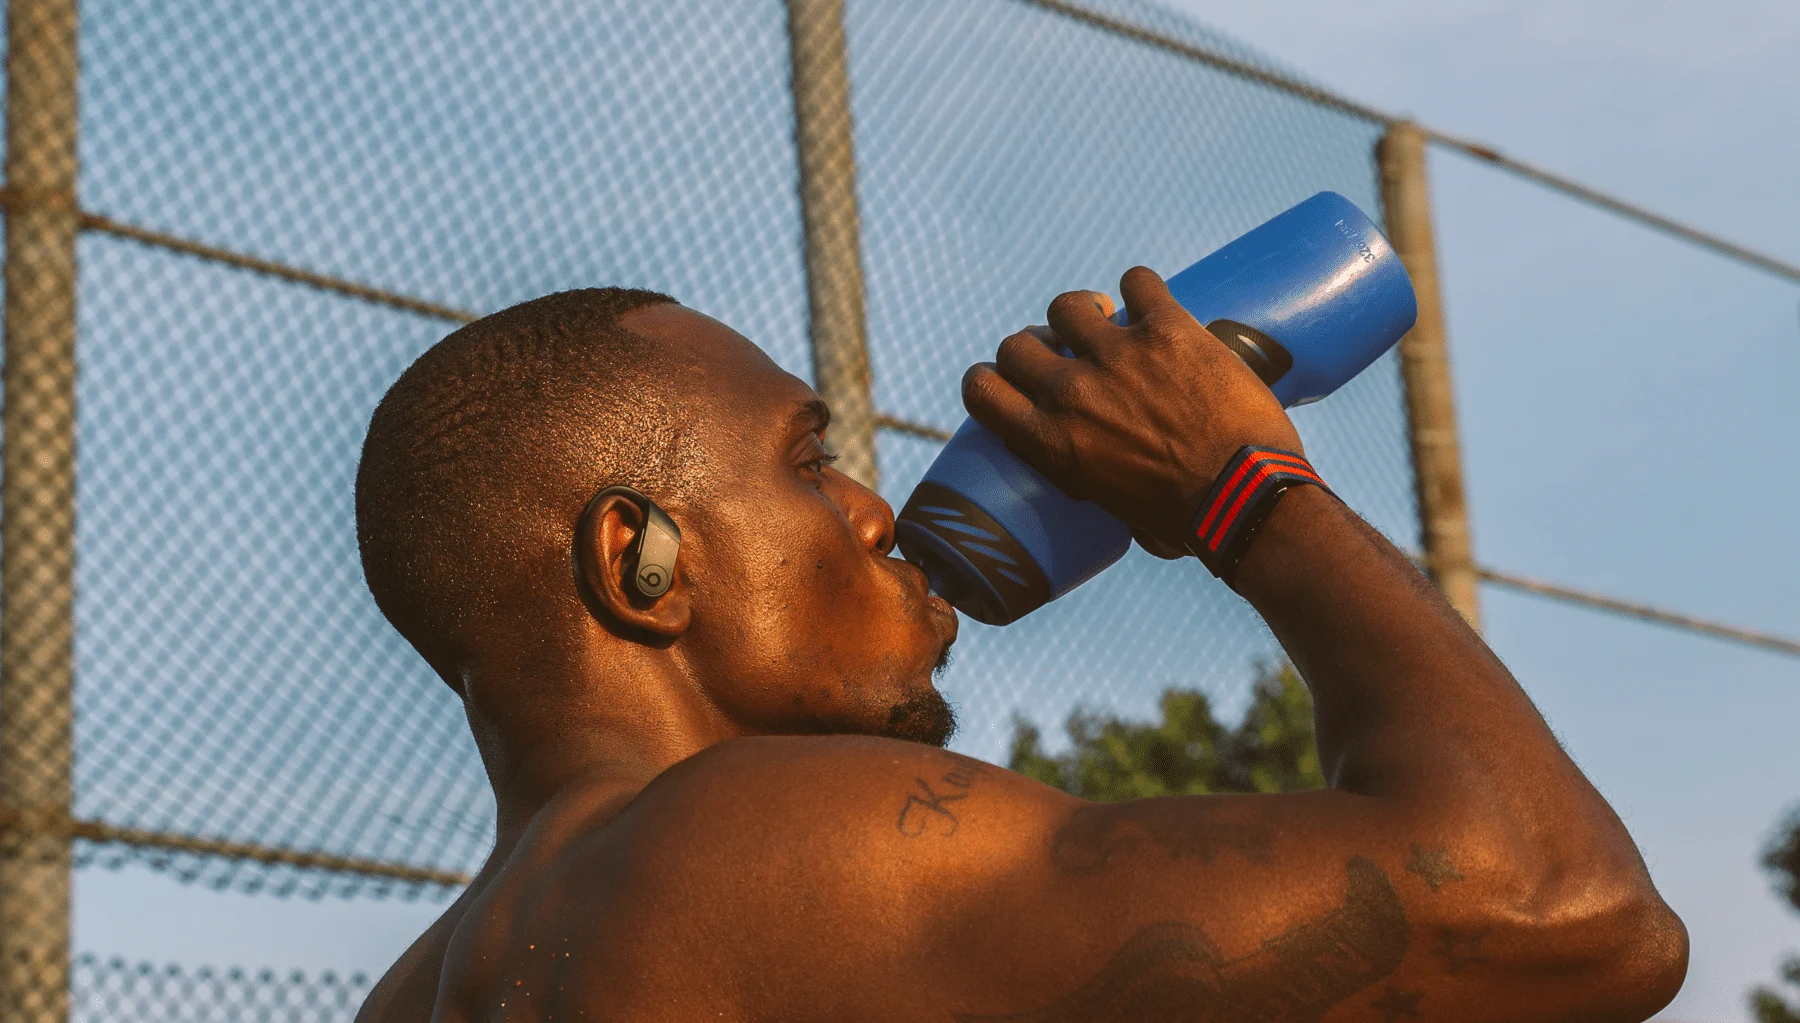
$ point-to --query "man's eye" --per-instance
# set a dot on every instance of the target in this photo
(818, 464)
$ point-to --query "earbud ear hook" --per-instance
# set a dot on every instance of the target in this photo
(651, 560)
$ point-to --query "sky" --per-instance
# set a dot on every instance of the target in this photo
(1623, 398)
(1618, 392)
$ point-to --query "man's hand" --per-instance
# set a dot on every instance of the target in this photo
(1140, 420)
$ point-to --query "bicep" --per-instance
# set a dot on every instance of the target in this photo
(1308, 906)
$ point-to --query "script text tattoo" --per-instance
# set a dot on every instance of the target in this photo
(932, 803)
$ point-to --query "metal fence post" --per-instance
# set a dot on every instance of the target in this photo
(834, 272)
(1425, 368)
(37, 512)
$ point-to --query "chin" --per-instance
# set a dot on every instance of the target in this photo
(923, 717)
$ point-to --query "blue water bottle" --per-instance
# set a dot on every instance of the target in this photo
(1307, 300)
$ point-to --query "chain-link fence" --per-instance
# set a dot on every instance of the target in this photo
(1009, 153)
(281, 206)
(110, 990)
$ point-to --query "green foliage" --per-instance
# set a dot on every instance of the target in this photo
(1187, 753)
(1782, 859)
(1769, 1007)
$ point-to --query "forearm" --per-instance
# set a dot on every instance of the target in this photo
(1452, 799)
(1415, 713)
(1410, 702)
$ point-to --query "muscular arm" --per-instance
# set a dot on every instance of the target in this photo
(1458, 868)
(1451, 804)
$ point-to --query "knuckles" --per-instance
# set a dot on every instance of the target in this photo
(1165, 326)
(1018, 347)
(1071, 391)
(1070, 303)
(978, 384)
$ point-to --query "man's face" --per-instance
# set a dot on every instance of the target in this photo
(801, 622)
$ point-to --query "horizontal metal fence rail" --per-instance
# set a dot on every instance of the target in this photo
(12, 198)
(920, 430)
(1630, 211)
(1600, 602)
(101, 833)
(1485, 153)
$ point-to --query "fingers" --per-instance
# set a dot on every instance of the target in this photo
(1027, 362)
(1079, 319)
(1002, 408)
(1144, 293)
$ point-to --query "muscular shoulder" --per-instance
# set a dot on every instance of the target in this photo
(830, 801)
(806, 864)
(766, 872)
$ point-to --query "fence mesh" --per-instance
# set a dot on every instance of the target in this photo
(1009, 153)
(112, 991)
(234, 680)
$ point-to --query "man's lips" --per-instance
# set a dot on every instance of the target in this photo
(938, 605)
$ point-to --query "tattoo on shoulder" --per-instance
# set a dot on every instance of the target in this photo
(1097, 833)
(930, 805)
(1434, 866)
(1172, 971)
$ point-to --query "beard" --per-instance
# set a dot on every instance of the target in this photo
(926, 718)
(922, 717)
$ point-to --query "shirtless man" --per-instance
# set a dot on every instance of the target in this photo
(730, 802)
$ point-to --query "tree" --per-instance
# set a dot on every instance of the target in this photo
(1782, 860)
(1189, 752)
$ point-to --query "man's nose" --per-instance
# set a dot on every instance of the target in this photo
(869, 515)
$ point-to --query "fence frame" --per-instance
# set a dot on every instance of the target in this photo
(37, 510)
(825, 144)
(1425, 374)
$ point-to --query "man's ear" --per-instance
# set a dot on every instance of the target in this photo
(605, 561)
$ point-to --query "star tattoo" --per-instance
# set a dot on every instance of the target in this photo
(1434, 866)
(1397, 1003)
(1459, 949)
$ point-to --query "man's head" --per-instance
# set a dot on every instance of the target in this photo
(785, 616)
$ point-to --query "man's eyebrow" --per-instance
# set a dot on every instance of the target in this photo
(812, 416)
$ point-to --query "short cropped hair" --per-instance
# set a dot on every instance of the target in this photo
(481, 455)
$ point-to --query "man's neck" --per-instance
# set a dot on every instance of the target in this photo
(616, 732)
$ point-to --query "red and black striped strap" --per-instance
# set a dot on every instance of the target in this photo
(1238, 502)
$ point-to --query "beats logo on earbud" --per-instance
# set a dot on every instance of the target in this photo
(658, 544)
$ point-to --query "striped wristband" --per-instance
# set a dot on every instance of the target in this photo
(1239, 501)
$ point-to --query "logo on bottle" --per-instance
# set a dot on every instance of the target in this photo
(1009, 584)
